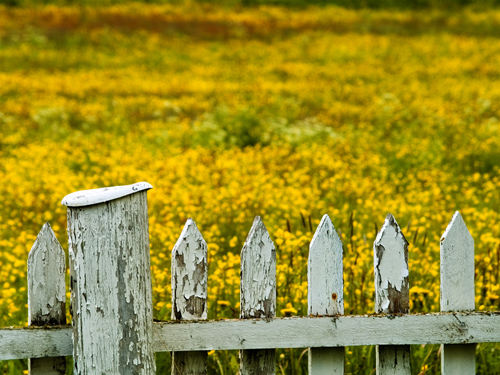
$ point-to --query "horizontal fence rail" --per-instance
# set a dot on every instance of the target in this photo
(299, 332)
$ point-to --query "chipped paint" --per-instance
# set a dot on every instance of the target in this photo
(392, 294)
(189, 293)
(391, 268)
(111, 293)
(189, 275)
(258, 274)
(95, 196)
(258, 293)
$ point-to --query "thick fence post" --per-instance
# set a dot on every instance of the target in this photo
(189, 293)
(46, 294)
(258, 294)
(392, 293)
(111, 293)
(457, 292)
(325, 293)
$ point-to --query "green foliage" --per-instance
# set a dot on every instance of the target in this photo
(246, 127)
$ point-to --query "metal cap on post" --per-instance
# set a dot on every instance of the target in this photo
(111, 296)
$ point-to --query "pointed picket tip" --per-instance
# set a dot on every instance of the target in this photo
(258, 274)
(325, 229)
(189, 274)
(391, 268)
(258, 235)
(325, 271)
(189, 229)
(95, 196)
(45, 237)
(257, 228)
(456, 227)
(46, 280)
(390, 222)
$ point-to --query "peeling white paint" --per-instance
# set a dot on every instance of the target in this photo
(391, 263)
(392, 294)
(258, 274)
(258, 294)
(189, 275)
(101, 195)
(189, 293)
(393, 266)
(111, 293)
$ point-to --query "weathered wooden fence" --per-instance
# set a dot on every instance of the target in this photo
(113, 331)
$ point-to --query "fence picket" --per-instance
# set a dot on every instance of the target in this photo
(258, 294)
(391, 292)
(189, 293)
(325, 292)
(457, 291)
(46, 294)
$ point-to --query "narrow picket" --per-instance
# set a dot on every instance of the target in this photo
(189, 293)
(325, 292)
(258, 294)
(46, 294)
(391, 292)
(457, 292)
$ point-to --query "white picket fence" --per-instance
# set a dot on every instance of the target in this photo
(111, 299)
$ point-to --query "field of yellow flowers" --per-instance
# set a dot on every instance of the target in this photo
(235, 112)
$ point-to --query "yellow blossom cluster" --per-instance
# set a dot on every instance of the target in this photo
(288, 114)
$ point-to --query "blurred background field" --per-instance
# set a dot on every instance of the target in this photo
(237, 110)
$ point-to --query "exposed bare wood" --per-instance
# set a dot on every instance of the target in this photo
(189, 293)
(258, 294)
(325, 292)
(392, 293)
(111, 292)
(457, 291)
(46, 294)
